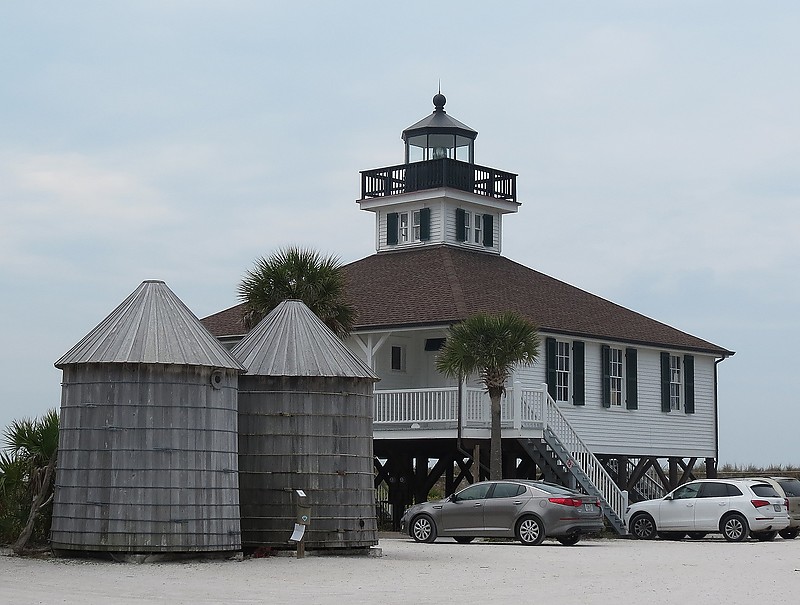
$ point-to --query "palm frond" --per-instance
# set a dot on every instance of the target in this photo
(298, 274)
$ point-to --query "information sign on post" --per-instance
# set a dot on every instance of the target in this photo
(302, 520)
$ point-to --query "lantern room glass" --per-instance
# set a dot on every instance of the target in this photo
(436, 146)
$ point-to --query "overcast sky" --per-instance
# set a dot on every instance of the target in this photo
(657, 146)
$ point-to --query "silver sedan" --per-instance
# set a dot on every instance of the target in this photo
(526, 510)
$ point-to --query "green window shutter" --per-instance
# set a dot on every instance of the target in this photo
(688, 383)
(425, 224)
(550, 365)
(631, 380)
(605, 372)
(665, 382)
(461, 226)
(488, 230)
(391, 228)
(578, 373)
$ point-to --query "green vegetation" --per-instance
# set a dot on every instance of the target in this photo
(27, 467)
(298, 274)
(490, 345)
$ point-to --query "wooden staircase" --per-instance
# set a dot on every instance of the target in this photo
(563, 454)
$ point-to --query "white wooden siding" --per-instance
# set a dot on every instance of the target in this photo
(646, 431)
(450, 226)
(436, 226)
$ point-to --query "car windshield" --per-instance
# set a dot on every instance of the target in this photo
(764, 490)
(791, 487)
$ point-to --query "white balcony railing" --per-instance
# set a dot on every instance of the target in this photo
(438, 408)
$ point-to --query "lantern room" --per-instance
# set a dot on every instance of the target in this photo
(439, 136)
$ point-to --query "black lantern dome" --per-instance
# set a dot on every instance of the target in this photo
(439, 136)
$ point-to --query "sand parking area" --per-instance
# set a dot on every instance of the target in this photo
(595, 571)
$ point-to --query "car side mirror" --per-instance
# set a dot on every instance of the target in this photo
(452, 498)
(668, 497)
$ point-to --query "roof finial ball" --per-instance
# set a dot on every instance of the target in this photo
(438, 101)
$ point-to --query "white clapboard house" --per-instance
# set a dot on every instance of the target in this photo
(619, 404)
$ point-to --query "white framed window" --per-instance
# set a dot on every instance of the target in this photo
(478, 228)
(616, 382)
(415, 224)
(562, 371)
(675, 382)
(467, 225)
(402, 227)
(398, 361)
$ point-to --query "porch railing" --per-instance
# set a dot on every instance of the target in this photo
(439, 406)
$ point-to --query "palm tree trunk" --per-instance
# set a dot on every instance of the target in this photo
(496, 454)
(19, 546)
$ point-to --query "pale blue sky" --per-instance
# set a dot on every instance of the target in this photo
(656, 143)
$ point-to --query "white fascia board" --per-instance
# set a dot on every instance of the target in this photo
(442, 193)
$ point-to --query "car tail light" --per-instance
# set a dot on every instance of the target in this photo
(759, 503)
(566, 501)
(786, 503)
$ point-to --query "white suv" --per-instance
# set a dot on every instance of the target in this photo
(789, 487)
(732, 507)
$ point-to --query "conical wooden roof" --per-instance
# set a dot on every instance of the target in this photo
(292, 341)
(152, 325)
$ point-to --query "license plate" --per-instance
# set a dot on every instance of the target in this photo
(777, 507)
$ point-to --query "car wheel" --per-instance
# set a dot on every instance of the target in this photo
(530, 531)
(734, 528)
(671, 535)
(423, 529)
(697, 535)
(764, 536)
(643, 527)
(788, 534)
(464, 539)
(570, 540)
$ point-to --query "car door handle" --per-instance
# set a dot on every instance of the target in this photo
(477, 504)
(517, 501)
(689, 505)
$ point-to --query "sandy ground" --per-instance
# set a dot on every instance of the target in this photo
(595, 571)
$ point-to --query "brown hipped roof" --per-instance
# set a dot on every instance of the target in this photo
(436, 285)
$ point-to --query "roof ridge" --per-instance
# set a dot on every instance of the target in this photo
(455, 283)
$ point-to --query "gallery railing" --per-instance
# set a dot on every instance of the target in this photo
(431, 174)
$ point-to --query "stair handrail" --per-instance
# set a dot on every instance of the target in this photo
(647, 485)
(581, 455)
(654, 487)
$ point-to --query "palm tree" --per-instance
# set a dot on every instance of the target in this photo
(490, 345)
(28, 468)
(298, 274)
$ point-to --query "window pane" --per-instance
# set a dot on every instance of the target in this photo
(474, 492)
(714, 490)
(562, 371)
(791, 487)
(507, 490)
(398, 359)
(687, 491)
(764, 490)
(403, 229)
(615, 376)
